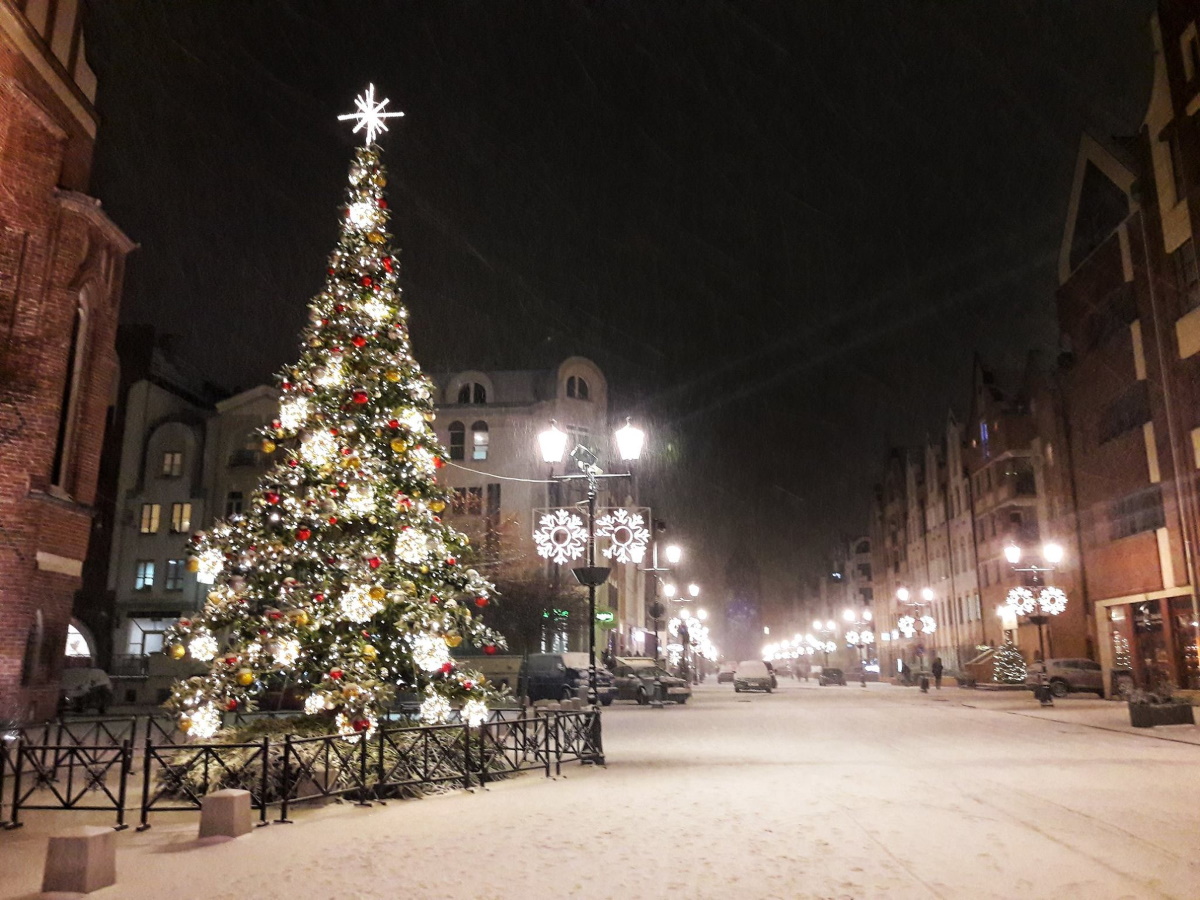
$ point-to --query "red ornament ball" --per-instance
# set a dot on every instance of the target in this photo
(373, 562)
(231, 706)
(318, 597)
(387, 263)
(366, 281)
(467, 685)
(358, 340)
(447, 668)
(451, 561)
(303, 534)
(333, 520)
(382, 203)
(341, 307)
(361, 724)
(335, 674)
(360, 397)
(231, 660)
(481, 602)
(271, 497)
(438, 462)
(489, 649)
(393, 423)
(293, 463)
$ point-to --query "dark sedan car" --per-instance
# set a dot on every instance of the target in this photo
(832, 676)
(639, 679)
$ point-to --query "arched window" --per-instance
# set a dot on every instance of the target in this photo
(472, 392)
(479, 440)
(69, 411)
(458, 440)
(577, 388)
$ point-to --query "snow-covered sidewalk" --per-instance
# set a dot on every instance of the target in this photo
(821, 793)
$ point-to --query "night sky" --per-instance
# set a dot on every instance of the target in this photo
(782, 228)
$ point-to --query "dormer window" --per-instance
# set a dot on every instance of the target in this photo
(472, 392)
(577, 388)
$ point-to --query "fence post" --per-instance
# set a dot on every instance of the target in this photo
(16, 794)
(147, 756)
(557, 742)
(546, 734)
(132, 738)
(466, 755)
(483, 773)
(123, 786)
(262, 786)
(380, 775)
(3, 765)
(287, 780)
(362, 771)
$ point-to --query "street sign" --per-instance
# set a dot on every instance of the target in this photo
(604, 615)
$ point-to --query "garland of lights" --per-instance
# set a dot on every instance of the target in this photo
(341, 578)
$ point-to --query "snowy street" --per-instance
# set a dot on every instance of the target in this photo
(807, 792)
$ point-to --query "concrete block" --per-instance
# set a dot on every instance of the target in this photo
(81, 860)
(226, 814)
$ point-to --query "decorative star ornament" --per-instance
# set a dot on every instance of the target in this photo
(369, 114)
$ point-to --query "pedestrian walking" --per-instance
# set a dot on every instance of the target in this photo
(905, 672)
(937, 670)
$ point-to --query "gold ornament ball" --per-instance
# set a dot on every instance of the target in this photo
(437, 506)
(377, 593)
(245, 677)
(177, 651)
(185, 724)
(408, 587)
(392, 375)
(453, 640)
(429, 417)
(193, 564)
(379, 179)
(369, 653)
(424, 570)
(300, 617)
(398, 445)
(375, 237)
(268, 446)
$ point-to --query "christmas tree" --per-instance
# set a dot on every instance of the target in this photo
(1008, 666)
(341, 579)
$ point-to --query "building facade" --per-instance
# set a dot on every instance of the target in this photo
(61, 267)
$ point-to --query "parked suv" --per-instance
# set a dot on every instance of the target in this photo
(752, 675)
(639, 678)
(561, 676)
(1067, 675)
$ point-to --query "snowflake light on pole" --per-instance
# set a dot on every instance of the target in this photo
(928, 625)
(1052, 601)
(560, 536)
(627, 534)
(1022, 601)
(907, 625)
(340, 561)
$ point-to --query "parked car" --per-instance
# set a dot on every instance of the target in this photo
(830, 675)
(561, 676)
(725, 673)
(637, 678)
(83, 689)
(752, 675)
(1067, 675)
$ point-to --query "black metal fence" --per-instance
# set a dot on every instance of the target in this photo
(93, 764)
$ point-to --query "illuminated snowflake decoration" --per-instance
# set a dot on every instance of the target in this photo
(358, 605)
(369, 115)
(318, 447)
(852, 638)
(377, 310)
(928, 625)
(1052, 601)
(560, 536)
(430, 652)
(830, 647)
(1021, 601)
(359, 500)
(286, 652)
(435, 709)
(292, 413)
(907, 625)
(412, 419)
(627, 534)
(422, 460)
(866, 637)
(210, 563)
(202, 722)
(203, 646)
(331, 374)
(412, 546)
(313, 704)
(475, 713)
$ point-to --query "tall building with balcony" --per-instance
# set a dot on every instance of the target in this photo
(62, 262)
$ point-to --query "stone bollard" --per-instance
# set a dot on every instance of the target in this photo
(81, 860)
(226, 814)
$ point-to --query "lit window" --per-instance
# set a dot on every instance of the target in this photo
(146, 635)
(577, 388)
(479, 440)
(458, 440)
(150, 514)
(233, 503)
(172, 466)
(77, 645)
(181, 517)
(143, 578)
(174, 579)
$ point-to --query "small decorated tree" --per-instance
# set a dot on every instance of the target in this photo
(341, 579)
(1008, 665)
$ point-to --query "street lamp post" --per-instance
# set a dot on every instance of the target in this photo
(825, 630)
(918, 619)
(656, 609)
(859, 634)
(553, 442)
(1038, 608)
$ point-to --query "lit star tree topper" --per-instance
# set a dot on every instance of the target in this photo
(369, 115)
(340, 581)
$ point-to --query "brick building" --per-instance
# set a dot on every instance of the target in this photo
(61, 267)
(1129, 310)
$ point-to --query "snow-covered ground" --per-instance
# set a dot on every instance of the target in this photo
(808, 792)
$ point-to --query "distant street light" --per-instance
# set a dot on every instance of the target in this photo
(674, 553)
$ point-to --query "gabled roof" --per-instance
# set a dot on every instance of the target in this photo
(1107, 158)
